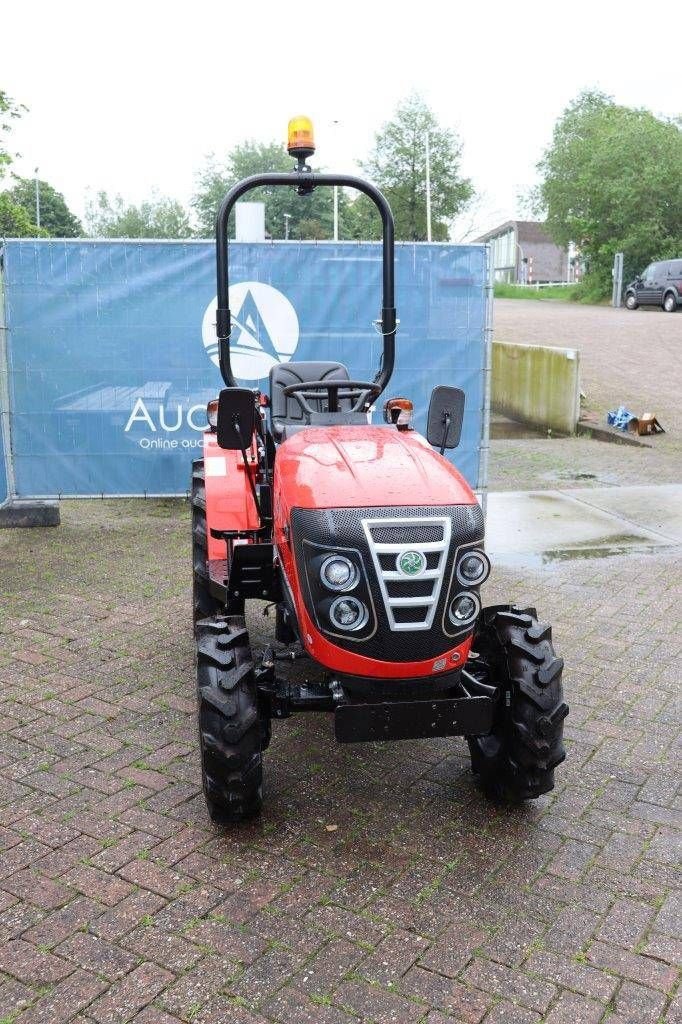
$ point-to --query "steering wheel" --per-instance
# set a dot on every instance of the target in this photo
(362, 391)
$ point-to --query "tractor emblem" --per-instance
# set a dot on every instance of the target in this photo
(411, 563)
(265, 329)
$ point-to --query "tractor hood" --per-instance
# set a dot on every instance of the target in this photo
(356, 466)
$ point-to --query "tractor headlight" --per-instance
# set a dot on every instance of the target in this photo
(473, 568)
(338, 573)
(348, 613)
(463, 609)
(336, 590)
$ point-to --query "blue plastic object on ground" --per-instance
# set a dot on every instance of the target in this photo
(620, 418)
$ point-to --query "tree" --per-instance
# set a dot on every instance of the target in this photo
(9, 111)
(398, 166)
(307, 216)
(157, 217)
(612, 182)
(15, 222)
(55, 216)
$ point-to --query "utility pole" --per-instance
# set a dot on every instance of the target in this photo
(335, 124)
(37, 199)
(428, 190)
(287, 218)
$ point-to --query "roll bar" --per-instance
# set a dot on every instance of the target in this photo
(305, 181)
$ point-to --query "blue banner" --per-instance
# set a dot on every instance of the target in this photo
(112, 350)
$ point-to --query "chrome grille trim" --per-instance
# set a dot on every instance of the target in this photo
(426, 604)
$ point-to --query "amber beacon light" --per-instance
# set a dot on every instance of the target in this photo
(300, 137)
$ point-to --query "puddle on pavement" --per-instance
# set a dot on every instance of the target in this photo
(541, 559)
(545, 528)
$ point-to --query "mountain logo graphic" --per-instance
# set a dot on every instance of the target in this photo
(265, 330)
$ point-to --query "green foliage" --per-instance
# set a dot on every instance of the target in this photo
(398, 166)
(363, 221)
(612, 182)
(158, 217)
(55, 216)
(309, 216)
(9, 111)
(15, 221)
(562, 293)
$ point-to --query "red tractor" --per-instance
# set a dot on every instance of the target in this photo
(370, 545)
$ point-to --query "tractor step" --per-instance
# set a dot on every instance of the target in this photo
(413, 719)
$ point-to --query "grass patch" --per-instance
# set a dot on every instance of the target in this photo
(589, 291)
(564, 293)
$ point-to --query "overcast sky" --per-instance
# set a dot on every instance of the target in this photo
(130, 96)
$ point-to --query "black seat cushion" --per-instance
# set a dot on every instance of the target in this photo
(286, 411)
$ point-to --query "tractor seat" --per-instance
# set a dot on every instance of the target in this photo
(285, 413)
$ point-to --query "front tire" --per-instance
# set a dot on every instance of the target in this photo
(516, 760)
(631, 301)
(669, 302)
(231, 726)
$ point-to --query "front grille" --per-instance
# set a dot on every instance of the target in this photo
(406, 532)
(425, 526)
(403, 531)
(409, 588)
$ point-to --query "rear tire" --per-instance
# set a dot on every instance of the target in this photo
(516, 760)
(669, 302)
(231, 726)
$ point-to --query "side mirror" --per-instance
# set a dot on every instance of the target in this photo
(236, 418)
(446, 413)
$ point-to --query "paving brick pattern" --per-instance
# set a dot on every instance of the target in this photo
(119, 902)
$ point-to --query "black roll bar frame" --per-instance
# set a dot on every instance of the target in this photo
(304, 181)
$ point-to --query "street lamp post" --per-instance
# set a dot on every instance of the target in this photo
(287, 218)
(335, 124)
(336, 213)
(37, 182)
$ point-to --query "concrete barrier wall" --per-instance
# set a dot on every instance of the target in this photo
(537, 384)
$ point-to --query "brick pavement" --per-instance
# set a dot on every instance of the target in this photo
(378, 885)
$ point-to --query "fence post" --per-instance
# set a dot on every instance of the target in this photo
(482, 483)
(5, 447)
(14, 511)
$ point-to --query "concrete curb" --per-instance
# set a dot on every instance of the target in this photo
(24, 513)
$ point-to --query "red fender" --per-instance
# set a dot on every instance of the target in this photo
(229, 502)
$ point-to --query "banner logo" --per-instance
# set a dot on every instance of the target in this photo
(264, 330)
